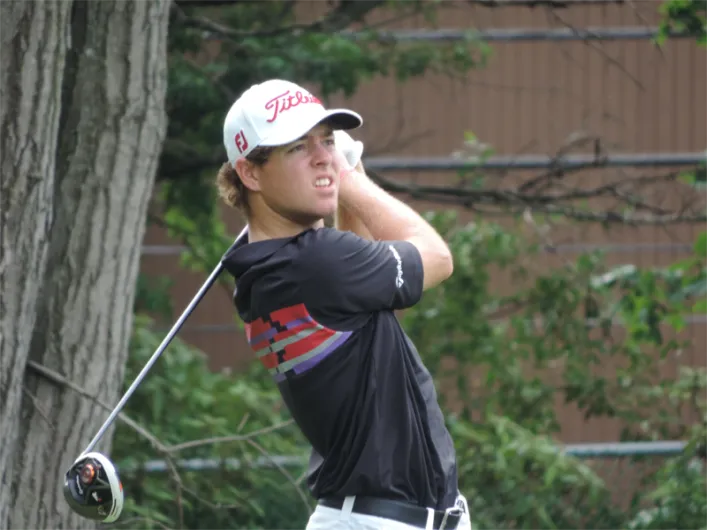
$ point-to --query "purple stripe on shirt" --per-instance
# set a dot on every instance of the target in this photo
(299, 322)
(269, 334)
(265, 335)
(311, 363)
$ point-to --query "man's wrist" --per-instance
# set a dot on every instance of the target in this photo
(356, 183)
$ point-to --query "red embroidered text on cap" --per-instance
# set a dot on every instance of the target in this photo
(285, 102)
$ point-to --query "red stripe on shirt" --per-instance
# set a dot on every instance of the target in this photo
(307, 344)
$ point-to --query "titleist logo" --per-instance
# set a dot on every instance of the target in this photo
(287, 101)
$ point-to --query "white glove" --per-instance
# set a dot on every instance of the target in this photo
(350, 148)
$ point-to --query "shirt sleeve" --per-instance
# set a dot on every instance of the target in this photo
(346, 274)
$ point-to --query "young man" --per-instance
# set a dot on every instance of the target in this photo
(318, 307)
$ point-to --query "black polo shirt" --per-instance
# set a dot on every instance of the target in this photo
(318, 312)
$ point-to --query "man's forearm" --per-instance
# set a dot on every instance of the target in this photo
(388, 218)
(346, 220)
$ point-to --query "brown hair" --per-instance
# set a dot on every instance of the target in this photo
(231, 187)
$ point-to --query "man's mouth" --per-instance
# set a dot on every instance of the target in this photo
(323, 182)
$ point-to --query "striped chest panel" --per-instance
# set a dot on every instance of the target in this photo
(290, 340)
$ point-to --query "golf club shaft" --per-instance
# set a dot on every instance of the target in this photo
(170, 336)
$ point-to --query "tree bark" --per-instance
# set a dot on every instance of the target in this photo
(34, 43)
(78, 298)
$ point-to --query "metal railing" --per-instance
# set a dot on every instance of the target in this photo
(446, 163)
(582, 451)
(602, 33)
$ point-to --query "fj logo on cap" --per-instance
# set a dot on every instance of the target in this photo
(241, 142)
(287, 101)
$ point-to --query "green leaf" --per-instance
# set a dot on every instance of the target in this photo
(700, 247)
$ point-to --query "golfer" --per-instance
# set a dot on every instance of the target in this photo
(318, 305)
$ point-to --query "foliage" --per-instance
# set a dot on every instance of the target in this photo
(516, 479)
(683, 16)
(678, 499)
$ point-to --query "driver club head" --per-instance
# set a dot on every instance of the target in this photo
(93, 489)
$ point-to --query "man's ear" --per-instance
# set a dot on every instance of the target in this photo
(249, 174)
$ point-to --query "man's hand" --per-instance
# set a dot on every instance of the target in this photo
(341, 165)
(350, 148)
(347, 161)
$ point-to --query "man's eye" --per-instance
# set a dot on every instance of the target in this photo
(295, 148)
(330, 141)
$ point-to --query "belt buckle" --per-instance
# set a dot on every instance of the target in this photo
(454, 510)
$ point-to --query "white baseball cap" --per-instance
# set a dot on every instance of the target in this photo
(277, 112)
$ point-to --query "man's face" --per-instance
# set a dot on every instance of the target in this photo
(300, 181)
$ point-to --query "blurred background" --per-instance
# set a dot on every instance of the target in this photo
(559, 147)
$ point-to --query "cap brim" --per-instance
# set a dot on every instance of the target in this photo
(340, 119)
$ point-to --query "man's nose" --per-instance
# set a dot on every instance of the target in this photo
(320, 153)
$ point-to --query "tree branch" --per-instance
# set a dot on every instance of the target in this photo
(60, 380)
(282, 470)
(345, 13)
(559, 189)
(208, 3)
(226, 439)
(133, 522)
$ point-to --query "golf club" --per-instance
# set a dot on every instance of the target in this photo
(92, 486)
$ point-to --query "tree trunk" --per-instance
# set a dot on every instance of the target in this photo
(75, 299)
(34, 42)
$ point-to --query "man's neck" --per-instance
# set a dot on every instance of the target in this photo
(271, 225)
